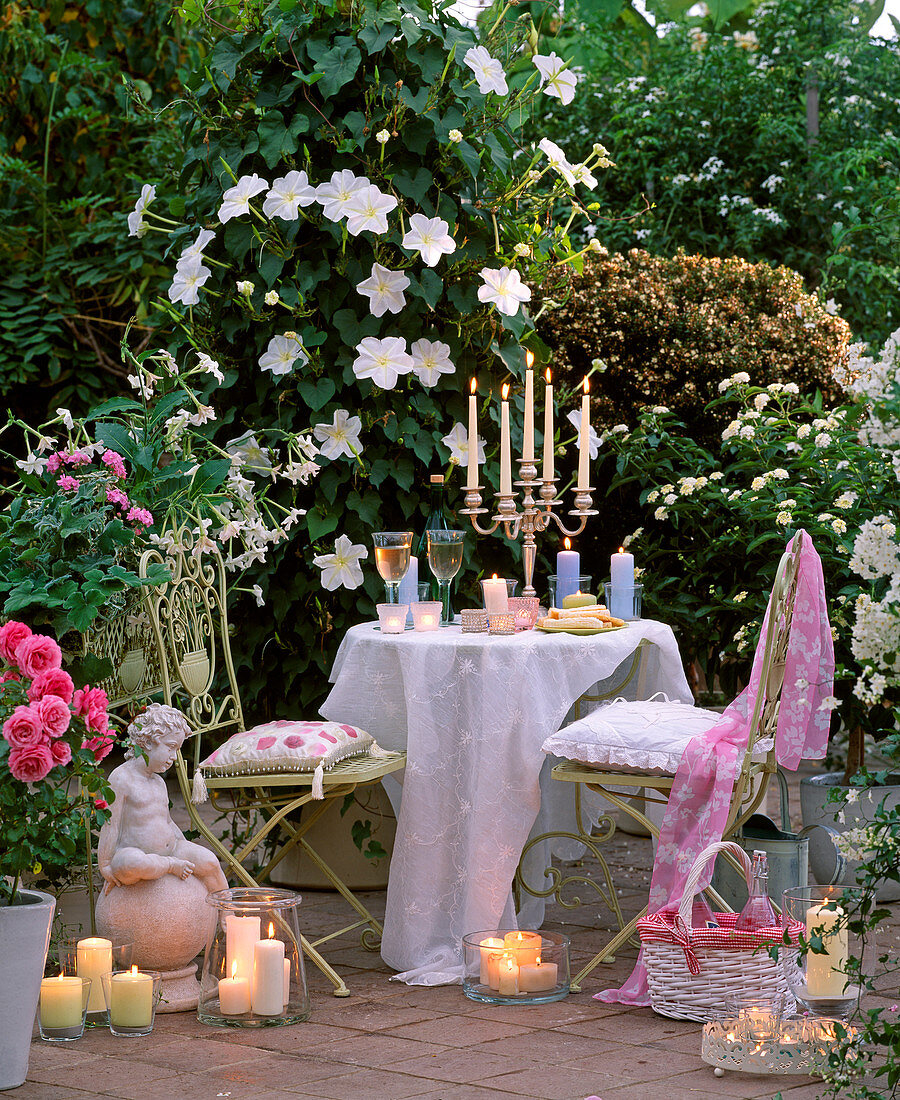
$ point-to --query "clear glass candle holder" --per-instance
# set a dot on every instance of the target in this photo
(624, 602)
(509, 966)
(62, 1007)
(426, 615)
(131, 998)
(524, 610)
(253, 971)
(760, 1014)
(392, 617)
(474, 620)
(92, 957)
(583, 585)
(827, 981)
(501, 623)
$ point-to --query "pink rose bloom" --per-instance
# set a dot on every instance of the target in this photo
(30, 764)
(52, 682)
(38, 654)
(11, 636)
(5, 677)
(55, 715)
(101, 803)
(98, 721)
(90, 703)
(114, 462)
(61, 751)
(24, 728)
(99, 746)
(68, 484)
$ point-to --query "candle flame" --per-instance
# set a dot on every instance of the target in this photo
(271, 931)
(494, 577)
(537, 961)
(61, 975)
(505, 391)
(587, 385)
(134, 970)
(529, 359)
(234, 970)
(621, 549)
(473, 385)
(547, 376)
(567, 543)
(519, 937)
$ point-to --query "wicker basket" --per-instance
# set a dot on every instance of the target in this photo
(691, 971)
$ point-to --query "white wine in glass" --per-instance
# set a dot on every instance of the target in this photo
(392, 551)
(445, 554)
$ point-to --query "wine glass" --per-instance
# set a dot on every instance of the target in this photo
(445, 553)
(392, 551)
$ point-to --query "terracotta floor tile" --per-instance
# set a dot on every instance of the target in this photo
(466, 1066)
(546, 1082)
(373, 1084)
(457, 1031)
(96, 1075)
(375, 1015)
(293, 1039)
(628, 1064)
(34, 1090)
(548, 1047)
(192, 1055)
(376, 1049)
(276, 1070)
(743, 1085)
(456, 1091)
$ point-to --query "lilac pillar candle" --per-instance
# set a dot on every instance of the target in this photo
(409, 586)
(621, 577)
(568, 573)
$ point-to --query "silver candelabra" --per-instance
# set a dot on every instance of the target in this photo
(535, 515)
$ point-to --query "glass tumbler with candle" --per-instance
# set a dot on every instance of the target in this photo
(131, 998)
(253, 972)
(445, 554)
(92, 957)
(392, 553)
(62, 1007)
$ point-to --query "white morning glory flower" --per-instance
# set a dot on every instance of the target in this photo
(288, 193)
(236, 200)
(382, 360)
(488, 71)
(429, 237)
(196, 249)
(337, 193)
(574, 418)
(558, 160)
(556, 79)
(342, 567)
(582, 175)
(431, 359)
(190, 275)
(504, 287)
(384, 289)
(457, 441)
(341, 437)
(137, 227)
(281, 354)
(367, 209)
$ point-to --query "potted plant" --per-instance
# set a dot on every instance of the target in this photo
(53, 740)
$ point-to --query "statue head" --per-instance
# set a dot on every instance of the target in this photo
(156, 724)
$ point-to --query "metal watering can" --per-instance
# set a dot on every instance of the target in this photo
(787, 854)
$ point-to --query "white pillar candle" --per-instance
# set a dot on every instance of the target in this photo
(267, 985)
(548, 430)
(241, 933)
(287, 982)
(493, 969)
(568, 573)
(826, 974)
(528, 441)
(496, 598)
(537, 977)
(234, 994)
(505, 447)
(524, 946)
(509, 976)
(472, 479)
(131, 999)
(621, 577)
(61, 1001)
(489, 948)
(584, 432)
(93, 957)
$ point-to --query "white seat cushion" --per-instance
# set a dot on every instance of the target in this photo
(648, 736)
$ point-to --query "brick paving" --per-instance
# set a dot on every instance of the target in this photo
(389, 1041)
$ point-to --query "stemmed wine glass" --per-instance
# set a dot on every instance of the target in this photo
(392, 551)
(445, 553)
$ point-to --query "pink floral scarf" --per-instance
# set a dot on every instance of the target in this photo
(701, 794)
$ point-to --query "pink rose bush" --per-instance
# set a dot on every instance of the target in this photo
(50, 733)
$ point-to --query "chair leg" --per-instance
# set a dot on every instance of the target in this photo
(608, 951)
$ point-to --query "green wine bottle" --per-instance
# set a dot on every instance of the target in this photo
(439, 519)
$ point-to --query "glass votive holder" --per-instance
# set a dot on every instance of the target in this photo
(426, 615)
(759, 1014)
(569, 587)
(392, 617)
(131, 998)
(92, 957)
(508, 966)
(501, 623)
(624, 602)
(253, 972)
(524, 610)
(495, 593)
(62, 1007)
(474, 620)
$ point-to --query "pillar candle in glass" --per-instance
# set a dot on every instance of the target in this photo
(131, 999)
(496, 598)
(568, 572)
(234, 994)
(267, 986)
(94, 957)
(62, 999)
(241, 933)
(621, 577)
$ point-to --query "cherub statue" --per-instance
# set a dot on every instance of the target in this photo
(141, 842)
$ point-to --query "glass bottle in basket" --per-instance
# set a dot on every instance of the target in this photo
(758, 912)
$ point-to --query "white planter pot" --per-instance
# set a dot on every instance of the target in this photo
(24, 938)
(814, 792)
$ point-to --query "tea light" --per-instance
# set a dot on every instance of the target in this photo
(501, 624)
(392, 617)
(426, 615)
(525, 611)
(474, 620)
(577, 599)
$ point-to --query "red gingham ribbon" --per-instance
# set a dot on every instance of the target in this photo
(682, 936)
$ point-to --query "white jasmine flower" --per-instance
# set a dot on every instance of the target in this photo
(488, 71)
(196, 249)
(367, 209)
(257, 593)
(383, 137)
(137, 227)
(335, 195)
(271, 298)
(287, 195)
(574, 418)
(210, 366)
(556, 79)
(384, 289)
(431, 359)
(455, 136)
(247, 453)
(429, 237)
(457, 442)
(245, 287)
(281, 355)
(504, 288)
(342, 567)
(382, 360)
(33, 464)
(190, 275)
(236, 200)
(558, 160)
(341, 436)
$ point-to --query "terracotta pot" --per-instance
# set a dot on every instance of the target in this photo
(24, 939)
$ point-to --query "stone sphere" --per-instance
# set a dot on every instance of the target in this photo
(167, 919)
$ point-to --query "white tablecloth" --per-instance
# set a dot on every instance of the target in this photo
(472, 711)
